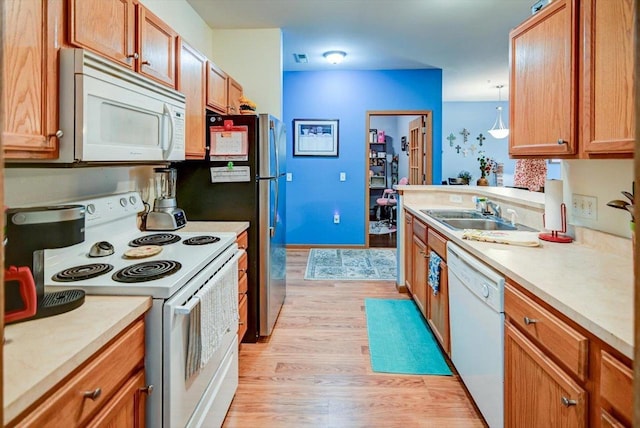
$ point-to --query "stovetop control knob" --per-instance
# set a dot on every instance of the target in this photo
(91, 209)
(123, 202)
(133, 200)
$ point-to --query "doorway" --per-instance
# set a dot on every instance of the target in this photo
(399, 144)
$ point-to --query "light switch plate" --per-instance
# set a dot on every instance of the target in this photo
(343, 176)
(289, 176)
(584, 206)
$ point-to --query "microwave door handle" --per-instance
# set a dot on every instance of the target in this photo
(167, 111)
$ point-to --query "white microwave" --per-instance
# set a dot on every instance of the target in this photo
(111, 114)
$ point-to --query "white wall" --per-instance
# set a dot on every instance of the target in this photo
(604, 179)
(185, 21)
(253, 58)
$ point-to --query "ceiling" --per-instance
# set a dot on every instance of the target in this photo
(467, 39)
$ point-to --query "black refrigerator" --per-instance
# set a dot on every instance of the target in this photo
(243, 179)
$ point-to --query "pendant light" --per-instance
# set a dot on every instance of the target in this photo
(498, 130)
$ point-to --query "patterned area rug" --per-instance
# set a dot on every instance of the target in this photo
(348, 264)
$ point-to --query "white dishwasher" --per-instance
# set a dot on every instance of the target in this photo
(476, 311)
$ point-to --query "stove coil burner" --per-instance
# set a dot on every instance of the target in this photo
(201, 240)
(155, 239)
(79, 273)
(146, 271)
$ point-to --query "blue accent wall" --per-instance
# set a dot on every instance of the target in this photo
(316, 193)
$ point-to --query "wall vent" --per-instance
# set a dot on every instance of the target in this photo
(300, 58)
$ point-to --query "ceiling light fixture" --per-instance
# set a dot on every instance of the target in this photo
(334, 57)
(499, 131)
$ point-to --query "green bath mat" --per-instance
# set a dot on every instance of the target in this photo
(400, 340)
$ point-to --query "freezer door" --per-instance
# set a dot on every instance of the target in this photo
(272, 215)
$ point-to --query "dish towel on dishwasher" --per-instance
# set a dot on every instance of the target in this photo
(434, 272)
(194, 345)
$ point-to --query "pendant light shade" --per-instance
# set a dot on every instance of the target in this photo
(498, 130)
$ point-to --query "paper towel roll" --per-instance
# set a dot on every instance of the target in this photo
(553, 205)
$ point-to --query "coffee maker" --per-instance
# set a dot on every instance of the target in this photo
(29, 231)
(165, 214)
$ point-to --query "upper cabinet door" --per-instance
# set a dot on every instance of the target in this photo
(106, 27)
(234, 92)
(32, 35)
(609, 88)
(192, 75)
(157, 44)
(217, 90)
(543, 82)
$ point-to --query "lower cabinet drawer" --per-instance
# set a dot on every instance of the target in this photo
(616, 385)
(243, 240)
(74, 402)
(437, 243)
(243, 263)
(242, 285)
(558, 338)
(242, 313)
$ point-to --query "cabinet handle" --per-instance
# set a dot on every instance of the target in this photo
(58, 134)
(133, 55)
(93, 394)
(147, 389)
(241, 323)
(566, 402)
(561, 141)
(529, 321)
(242, 247)
(147, 63)
(242, 270)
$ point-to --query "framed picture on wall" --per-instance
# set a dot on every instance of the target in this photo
(315, 137)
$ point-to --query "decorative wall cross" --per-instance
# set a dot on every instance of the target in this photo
(451, 138)
(458, 148)
(464, 134)
(473, 148)
(481, 138)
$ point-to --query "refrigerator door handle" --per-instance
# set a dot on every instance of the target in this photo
(274, 221)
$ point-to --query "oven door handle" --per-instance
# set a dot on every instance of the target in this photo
(194, 299)
(186, 308)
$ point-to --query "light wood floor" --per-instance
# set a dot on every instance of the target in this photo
(314, 370)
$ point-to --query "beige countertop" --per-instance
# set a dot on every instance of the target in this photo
(40, 353)
(589, 282)
(216, 226)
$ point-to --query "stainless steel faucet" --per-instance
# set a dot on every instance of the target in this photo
(495, 208)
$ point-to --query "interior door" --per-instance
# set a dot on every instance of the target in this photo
(420, 150)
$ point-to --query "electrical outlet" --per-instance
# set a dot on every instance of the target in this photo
(455, 198)
(336, 218)
(584, 206)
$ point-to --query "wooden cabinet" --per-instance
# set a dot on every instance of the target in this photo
(217, 89)
(128, 33)
(106, 27)
(616, 392)
(243, 263)
(420, 265)
(543, 83)
(571, 95)
(32, 36)
(107, 390)
(438, 315)
(608, 110)
(223, 92)
(192, 82)
(234, 92)
(408, 250)
(538, 393)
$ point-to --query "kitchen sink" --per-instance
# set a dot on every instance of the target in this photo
(471, 219)
(440, 214)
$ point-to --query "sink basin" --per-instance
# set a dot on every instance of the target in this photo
(471, 219)
(440, 214)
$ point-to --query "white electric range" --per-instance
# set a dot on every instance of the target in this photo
(174, 277)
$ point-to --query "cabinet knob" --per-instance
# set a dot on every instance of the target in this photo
(242, 270)
(133, 55)
(93, 394)
(566, 402)
(241, 323)
(147, 63)
(58, 134)
(529, 321)
(561, 141)
(147, 389)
